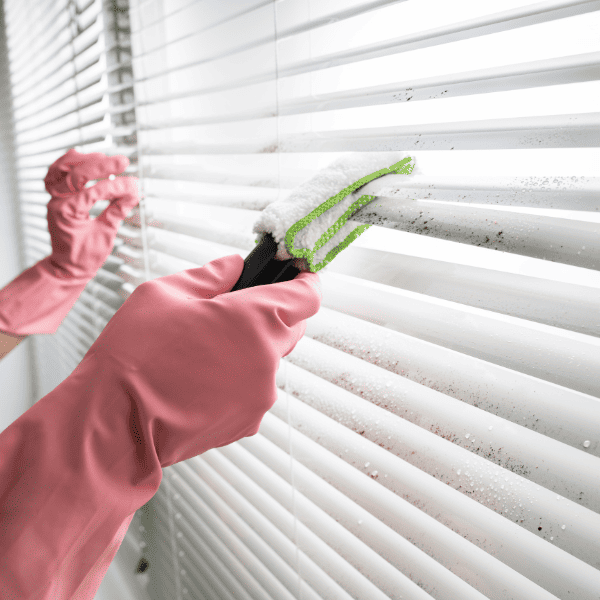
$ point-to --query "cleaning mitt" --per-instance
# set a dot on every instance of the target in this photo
(320, 207)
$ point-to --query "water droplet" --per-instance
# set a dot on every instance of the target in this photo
(458, 472)
(360, 522)
(563, 526)
(367, 464)
(552, 538)
(468, 435)
(586, 444)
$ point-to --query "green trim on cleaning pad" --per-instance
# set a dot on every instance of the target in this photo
(403, 167)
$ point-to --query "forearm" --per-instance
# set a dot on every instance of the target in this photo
(38, 300)
(74, 469)
(8, 341)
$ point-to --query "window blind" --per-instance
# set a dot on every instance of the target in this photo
(436, 432)
(436, 429)
(71, 86)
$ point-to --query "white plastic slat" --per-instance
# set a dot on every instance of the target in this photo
(313, 518)
(46, 63)
(234, 105)
(260, 136)
(572, 193)
(199, 573)
(549, 72)
(249, 529)
(565, 358)
(193, 19)
(533, 298)
(483, 384)
(247, 31)
(554, 239)
(557, 468)
(257, 490)
(519, 549)
(434, 23)
(213, 532)
(27, 41)
(382, 515)
(558, 131)
(478, 29)
(84, 67)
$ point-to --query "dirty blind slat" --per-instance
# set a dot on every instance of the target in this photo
(441, 412)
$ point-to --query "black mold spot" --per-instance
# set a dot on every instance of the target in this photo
(143, 565)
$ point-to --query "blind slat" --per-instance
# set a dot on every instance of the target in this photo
(333, 524)
(201, 570)
(520, 550)
(560, 469)
(252, 531)
(457, 340)
(558, 356)
(234, 558)
(471, 380)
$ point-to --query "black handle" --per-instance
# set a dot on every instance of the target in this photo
(261, 268)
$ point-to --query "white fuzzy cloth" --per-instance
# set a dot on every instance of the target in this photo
(279, 216)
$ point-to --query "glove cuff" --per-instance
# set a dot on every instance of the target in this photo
(38, 300)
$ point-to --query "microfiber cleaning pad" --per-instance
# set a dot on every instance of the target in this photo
(292, 215)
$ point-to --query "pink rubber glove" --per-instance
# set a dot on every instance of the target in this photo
(182, 367)
(39, 299)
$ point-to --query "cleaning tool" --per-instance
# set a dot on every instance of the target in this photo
(306, 230)
(38, 299)
(181, 367)
(185, 365)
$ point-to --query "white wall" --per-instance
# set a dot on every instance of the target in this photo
(16, 386)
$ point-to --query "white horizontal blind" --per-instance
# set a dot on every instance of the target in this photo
(428, 441)
(436, 433)
(71, 86)
(69, 89)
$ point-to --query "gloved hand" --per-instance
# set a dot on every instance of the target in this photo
(38, 299)
(182, 367)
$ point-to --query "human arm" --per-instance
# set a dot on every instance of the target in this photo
(39, 298)
(183, 366)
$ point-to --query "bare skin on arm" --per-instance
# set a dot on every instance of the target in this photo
(8, 341)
